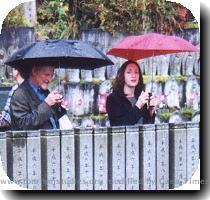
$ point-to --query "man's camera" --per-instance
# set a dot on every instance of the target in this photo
(61, 97)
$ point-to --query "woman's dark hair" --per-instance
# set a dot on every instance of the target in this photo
(119, 81)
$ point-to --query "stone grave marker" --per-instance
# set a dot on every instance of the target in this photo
(116, 158)
(192, 148)
(67, 160)
(147, 157)
(100, 159)
(84, 158)
(34, 160)
(132, 157)
(177, 152)
(16, 157)
(162, 156)
(50, 150)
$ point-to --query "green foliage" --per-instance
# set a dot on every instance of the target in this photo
(65, 19)
(54, 21)
(130, 16)
(163, 79)
(15, 18)
(166, 114)
(191, 25)
(187, 113)
(113, 16)
(181, 78)
(7, 83)
(164, 117)
(96, 81)
(99, 117)
(159, 79)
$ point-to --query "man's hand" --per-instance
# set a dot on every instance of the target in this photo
(53, 98)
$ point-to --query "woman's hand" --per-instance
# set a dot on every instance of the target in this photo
(152, 104)
(153, 101)
(142, 100)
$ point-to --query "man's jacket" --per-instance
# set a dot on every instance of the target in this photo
(28, 112)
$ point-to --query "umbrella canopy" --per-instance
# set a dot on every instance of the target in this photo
(151, 44)
(59, 53)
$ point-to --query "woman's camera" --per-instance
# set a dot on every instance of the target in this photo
(150, 94)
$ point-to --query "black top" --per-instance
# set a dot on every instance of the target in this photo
(121, 112)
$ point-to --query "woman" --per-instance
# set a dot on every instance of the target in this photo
(129, 104)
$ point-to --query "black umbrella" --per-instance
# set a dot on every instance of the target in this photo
(59, 53)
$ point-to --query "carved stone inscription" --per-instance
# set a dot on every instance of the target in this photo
(117, 180)
(177, 155)
(192, 149)
(162, 162)
(100, 160)
(132, 158)
(84, 161)
(147, 158)
(16, 158)
(51, 160)
(34, 161)
(67, 160)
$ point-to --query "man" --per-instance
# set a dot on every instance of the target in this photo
(33, 107)
(5, 119)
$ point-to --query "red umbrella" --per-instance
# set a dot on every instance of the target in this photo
(150, 44)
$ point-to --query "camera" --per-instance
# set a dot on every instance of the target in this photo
(61, 97)
(150, 94)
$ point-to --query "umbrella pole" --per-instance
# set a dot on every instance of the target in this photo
(59, 79)
(152, 72)
(152, 76)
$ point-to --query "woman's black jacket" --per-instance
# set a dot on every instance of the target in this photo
(121, 112)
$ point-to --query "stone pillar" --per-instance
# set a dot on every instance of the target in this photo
(86, 75)
(177, 152)
(116, 177)
(175, 64)
(67, 160)
(100, 159)
(34, 160)
(171, 91)
(132, 157)
(163, 64)
(111, 71)
(50, 150)
(29, 9)
(192, 148)
(147, 157)
(16, 158)
(99, 73)
(162, 156)
(84, 158)
(3, 150)
(73, 75)
(187, 66)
